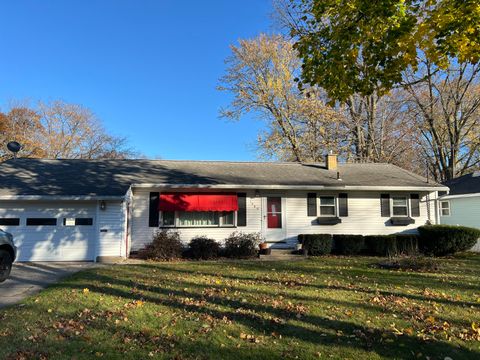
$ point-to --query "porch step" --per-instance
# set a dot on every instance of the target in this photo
(282, 254)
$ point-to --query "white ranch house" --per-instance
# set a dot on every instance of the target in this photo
(86, 210)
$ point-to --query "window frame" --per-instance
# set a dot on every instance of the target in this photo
(335, 205)
(407, 205)
(448, 208)
(221, 224)
(38, 219)
(80, 219)
(15, 219)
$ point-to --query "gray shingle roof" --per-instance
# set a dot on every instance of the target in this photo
(466, 184)
(37, 177)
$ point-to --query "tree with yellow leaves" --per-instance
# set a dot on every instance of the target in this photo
(299, 125)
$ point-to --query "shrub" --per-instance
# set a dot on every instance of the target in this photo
(439, 240)
(379, 245)
(242, 245)
(348, 244)
(392, 245)
(316, 244)
(166, 245)
(407, 244)
(201, 247)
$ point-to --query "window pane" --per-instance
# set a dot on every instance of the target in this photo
(274, 204)
(327, 200)
(198, 218)
(84, 221)
(10, 221)
(41, 221)
(445, 204)
(168, 218)
(400, 201)
(445, 212)
(77, 221)
(228, 218)
(327, 210)
(400, 211)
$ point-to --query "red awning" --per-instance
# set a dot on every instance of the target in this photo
(198, 202)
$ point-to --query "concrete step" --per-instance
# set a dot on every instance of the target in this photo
(287, 251)
(282, 254)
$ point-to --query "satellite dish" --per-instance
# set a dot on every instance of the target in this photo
(14, 147)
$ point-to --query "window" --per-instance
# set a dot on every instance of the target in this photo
(41, 221)
(197, 218)
(399, 206)
(10, 221)
(77, 221)
(168, 218)
(327, 206)
(228, 218)
(445, 208)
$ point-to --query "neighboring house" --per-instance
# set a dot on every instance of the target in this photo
(85, 209)
(462, 204)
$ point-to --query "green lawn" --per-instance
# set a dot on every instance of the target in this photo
(332, 307)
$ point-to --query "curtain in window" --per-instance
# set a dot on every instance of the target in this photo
(198, 218)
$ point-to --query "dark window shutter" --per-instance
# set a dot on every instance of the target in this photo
(153, 215)
(343, 204)
(415, 205)
(311, 204)
(385, 205)
(242, 209)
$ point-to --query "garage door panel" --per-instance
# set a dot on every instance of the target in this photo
(53, 243)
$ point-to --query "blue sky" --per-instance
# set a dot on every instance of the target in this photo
(148, 69)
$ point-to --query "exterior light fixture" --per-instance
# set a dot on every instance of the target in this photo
(103, 205)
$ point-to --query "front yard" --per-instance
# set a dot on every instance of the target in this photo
(332, 307)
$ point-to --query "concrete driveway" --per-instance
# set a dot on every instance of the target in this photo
(29, 278)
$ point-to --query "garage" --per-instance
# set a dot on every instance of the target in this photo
(51, 231)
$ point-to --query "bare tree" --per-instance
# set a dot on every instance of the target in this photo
(445, 106)
(60, 130)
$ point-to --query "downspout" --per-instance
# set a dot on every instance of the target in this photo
(128, 201)
(127, 230)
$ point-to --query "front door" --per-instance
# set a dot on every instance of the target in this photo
(274, 220)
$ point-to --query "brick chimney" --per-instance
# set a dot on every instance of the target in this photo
(331, 161)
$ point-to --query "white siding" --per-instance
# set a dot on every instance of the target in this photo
(112, 220)
(363, 207)
(142, 233)
(363, 216)
(464, 211)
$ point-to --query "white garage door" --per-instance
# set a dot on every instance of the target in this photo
(51, 231)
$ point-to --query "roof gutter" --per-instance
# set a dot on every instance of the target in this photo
(61, 197)
(447, 197)
(293, 187)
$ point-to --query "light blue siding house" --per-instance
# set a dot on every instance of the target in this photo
(462, 205)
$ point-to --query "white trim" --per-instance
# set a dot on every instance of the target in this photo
(447, 197)
(265, 230)
(97, 231)
(448, 208)
(407, 205)
(335, 205)
(294, 187)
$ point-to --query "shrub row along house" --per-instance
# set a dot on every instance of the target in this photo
(88, 209)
